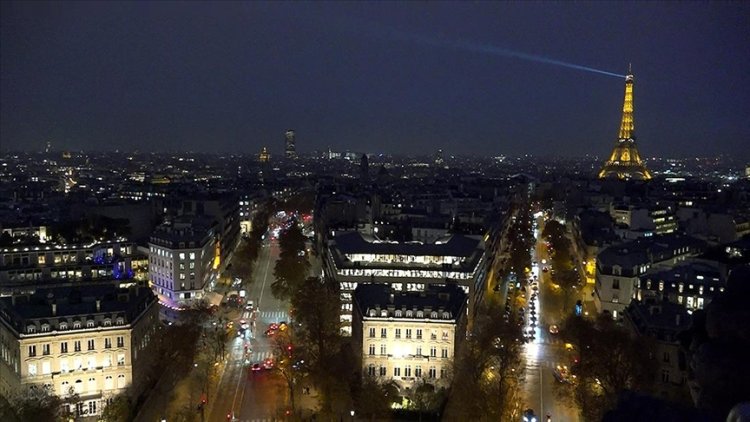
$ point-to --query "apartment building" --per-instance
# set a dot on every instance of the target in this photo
(354, 258)
(91, 339)
(692, 284)
(620, 267)
(182, 258)
(663, 321)
(409, 337)
(23, 266)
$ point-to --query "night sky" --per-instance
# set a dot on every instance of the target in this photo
(383, 77)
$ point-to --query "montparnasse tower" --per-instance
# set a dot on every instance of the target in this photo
(625, 162)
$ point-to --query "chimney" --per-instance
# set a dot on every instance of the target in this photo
(98, 305)
(54, 309)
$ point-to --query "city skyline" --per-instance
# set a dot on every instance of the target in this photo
(397, 79)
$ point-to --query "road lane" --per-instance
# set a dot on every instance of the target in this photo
(545, 351)
(247, 394)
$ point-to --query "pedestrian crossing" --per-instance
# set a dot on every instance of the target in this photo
(258, 420)
(274, 316)
(537, 364)
(261, 356)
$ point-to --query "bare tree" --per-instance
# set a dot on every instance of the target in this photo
(610, 361)
(488, 367)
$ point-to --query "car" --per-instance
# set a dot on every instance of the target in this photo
(256, 367)
(273, 326)
(268, 364)
(269, 332)
(282, 326)
(545, 269)
(554, 329)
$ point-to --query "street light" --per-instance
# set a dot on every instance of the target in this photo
(351, 412)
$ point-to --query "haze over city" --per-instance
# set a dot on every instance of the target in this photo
(397, 78)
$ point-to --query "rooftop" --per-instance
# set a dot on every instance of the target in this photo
(449, 298)
(451, 245)
(73, 301)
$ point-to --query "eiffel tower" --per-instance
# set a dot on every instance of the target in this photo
(625, 162)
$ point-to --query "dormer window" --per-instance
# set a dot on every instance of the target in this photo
(446, 315)
(31, 329)
(90, 323)
(398, 314)
(420, 314)
(433, 315)
(409, 314)
(373, 313)
(107, 322)
(63, 325)
(384, 313)
(120, 321)
(45, 328)
(76, 324)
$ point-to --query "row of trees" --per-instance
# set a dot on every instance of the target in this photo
(292, 267)
(609, 362)
(488, 367)
(521, 239)
(562, 261)
(249, 248)
(313, 350)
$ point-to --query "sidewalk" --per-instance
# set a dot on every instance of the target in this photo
(178, 390)
(307, 404)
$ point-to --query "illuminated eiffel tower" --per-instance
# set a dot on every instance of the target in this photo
(625, 162)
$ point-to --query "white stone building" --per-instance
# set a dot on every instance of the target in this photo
(409, 337)
(92, 340)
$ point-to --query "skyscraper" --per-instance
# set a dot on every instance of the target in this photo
(625, 162)
(290, 150)
(364, 170)
(264, 156)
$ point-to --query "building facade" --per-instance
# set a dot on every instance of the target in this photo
(692, 285)
(663, 321)
(409, 337)
(620, 267)
(92, 340)
(181, 261)
(353, 258)
(23, 266)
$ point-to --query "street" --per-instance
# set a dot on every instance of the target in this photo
(247, 395)
(546, 351)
